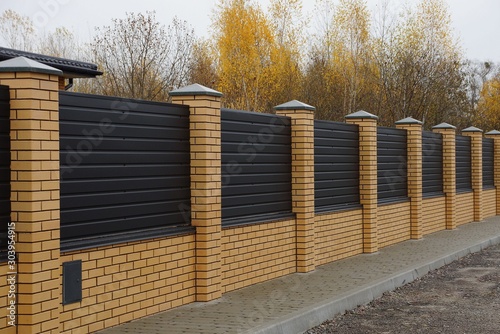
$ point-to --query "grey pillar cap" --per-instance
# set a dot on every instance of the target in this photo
(472, 129)
(23, 64)
(444, 126)
(195, 89)
(294, 105)
(409, 120)
(493, 132)
(361, 114)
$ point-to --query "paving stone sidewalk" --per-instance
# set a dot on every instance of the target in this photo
(297, 302)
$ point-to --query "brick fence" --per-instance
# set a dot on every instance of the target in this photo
(132, 279)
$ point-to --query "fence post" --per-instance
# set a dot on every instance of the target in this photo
(413, 129)
(367, 124)
(205, 145)
(449, 171)
(476, 142)
(495, 135)
(34, 123)
(302, 123)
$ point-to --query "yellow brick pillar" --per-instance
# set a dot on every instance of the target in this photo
(476, 142)
(302, 123)
(495, 135)
(413, 129)
(367, 124)
(34, 102)
(449, 171)
(205, 133)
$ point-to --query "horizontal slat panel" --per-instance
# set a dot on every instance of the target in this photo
(76, 231)
(124, 106)
(336, 201)
(251, 168)
(247, 211)
(128, 158)
(275, 122)
(4, 165)
(257, 157)
(334, 192)
(253, 199)
(245, 179)
(135, 118)
(116, 172)
(342, 161)
(119, 198)
(391, 164)
(121, 144)
(432, 162)
(333, 184)
(124, 165)
(336, 165)
(237, 190)
(463, 163)
(325, 172)
(90, 186)
(256, 166)
(120, 131)
(122, 210)
(251, 143)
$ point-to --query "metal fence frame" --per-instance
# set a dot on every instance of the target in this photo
(392, 179)
(336, 166)
(463, 164)
(256, 167)
(124, 169)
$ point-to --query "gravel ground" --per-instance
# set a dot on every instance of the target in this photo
(462, 297)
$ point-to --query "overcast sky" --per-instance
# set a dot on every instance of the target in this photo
(476, 22)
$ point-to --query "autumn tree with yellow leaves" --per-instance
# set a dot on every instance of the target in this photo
(340, 67)
(488, 109)
(243, 41)
(421, 67)
(400, 62)
(258, 57)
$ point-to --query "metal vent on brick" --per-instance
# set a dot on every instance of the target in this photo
(463, 164)
(124, 166)
(432, 164)
(488, 163)
(391, 165)
(256, 167)
(336, 166)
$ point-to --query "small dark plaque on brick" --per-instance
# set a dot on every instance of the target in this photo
(72, 282)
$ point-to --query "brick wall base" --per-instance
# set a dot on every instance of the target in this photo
(433, 214)
(128, 281)
(257, 253)
(465, 208)
(338, 235)
(489, 203)
(393, 223)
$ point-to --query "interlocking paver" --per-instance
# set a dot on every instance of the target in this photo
(296, 302)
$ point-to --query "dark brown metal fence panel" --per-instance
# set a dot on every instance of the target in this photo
(432, 164)
(336, 166)
(124, 166)
(463, 164)
(488, 163)
(391, 165)
(4, 165)
(256, 167)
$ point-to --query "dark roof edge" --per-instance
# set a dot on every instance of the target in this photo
(71, 68)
